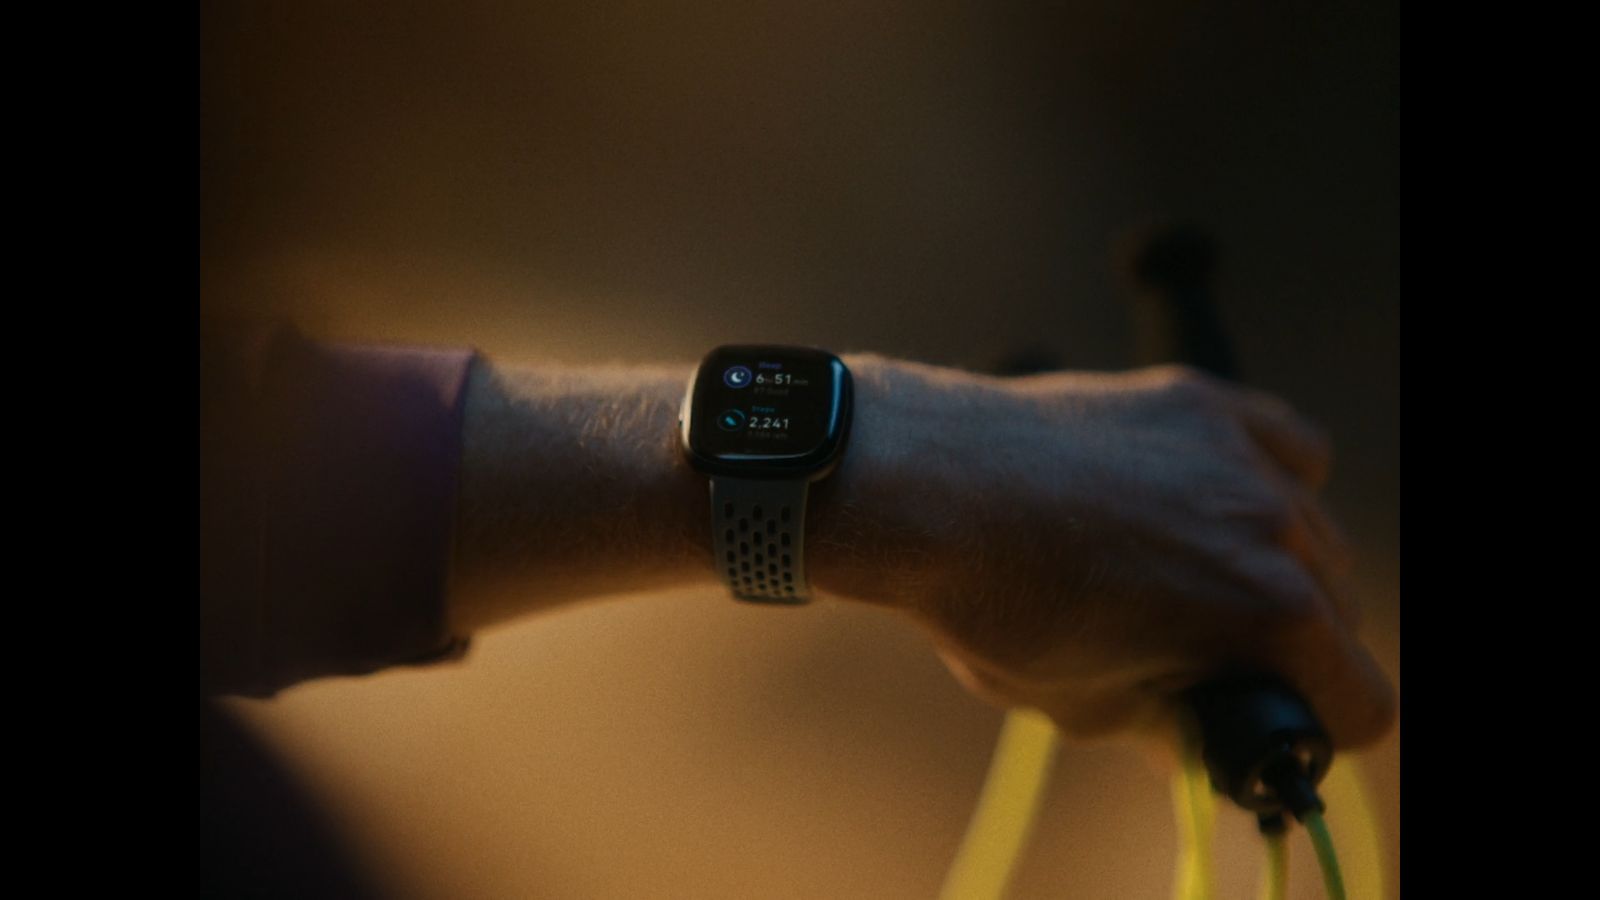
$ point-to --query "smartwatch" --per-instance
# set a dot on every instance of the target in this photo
(764, 421)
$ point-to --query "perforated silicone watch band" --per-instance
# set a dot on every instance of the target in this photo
(758, 536)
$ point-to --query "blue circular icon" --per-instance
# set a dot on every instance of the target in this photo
(730, 420)
(736, 377)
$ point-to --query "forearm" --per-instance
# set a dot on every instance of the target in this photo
(572, 486)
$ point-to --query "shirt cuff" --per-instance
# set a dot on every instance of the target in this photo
(332, 495)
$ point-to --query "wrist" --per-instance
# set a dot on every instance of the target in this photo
(882, 530)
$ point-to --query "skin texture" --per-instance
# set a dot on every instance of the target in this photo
(1086, 544)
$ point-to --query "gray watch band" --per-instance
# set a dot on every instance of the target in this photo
(758, 536)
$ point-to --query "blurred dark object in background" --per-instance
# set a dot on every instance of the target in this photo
(1169, 271)
(1029, 361)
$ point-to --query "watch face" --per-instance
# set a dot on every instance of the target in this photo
(767, 410)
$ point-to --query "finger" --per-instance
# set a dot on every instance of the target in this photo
(1336, 578)
(1314, 540)
(1329, 536)
(1298, 636)
(1292, 441)
(1343, 683)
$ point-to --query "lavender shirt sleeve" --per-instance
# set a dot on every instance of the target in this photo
(328, 488)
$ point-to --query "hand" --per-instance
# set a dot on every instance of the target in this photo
(1091, 544)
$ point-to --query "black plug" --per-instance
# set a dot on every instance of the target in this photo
(1261, 744)
(1272, 824)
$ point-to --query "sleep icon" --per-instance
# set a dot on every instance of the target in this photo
(736, 377)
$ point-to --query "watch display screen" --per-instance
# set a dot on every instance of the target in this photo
(754, 403)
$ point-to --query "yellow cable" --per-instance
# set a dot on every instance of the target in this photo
(1327, 859)
(1276, 884)
(1361, 840)
(1018, 773)
(1197, 815)
(1014, 788)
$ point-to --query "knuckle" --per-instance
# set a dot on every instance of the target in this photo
(1296, 603)
(1170, 372)
(1182, 379)
(1197, 391)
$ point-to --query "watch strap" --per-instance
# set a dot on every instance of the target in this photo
(758, 537)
